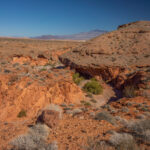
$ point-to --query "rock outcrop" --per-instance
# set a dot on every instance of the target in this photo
(50, 118)
(32, 97)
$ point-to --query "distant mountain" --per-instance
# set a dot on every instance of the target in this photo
(78, 36)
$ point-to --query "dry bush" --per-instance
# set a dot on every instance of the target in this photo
(52, 146)
(129, 91)
(97, 145)
(123, 121)
(35, 139)
(105, 116)
(123, 141)
(140, 129)
(13, 79)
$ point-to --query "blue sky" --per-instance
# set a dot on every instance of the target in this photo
(58, 17)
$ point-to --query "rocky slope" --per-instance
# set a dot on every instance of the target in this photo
(34, 49)
(115, 55)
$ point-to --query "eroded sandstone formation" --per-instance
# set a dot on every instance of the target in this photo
(113, 56)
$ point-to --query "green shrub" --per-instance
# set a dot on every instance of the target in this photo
(93, 79)
(93, 87)
(87, 104)
(77, 78)
(129, 91)
(43, 69)
(22, 113)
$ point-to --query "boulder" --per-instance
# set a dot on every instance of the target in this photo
(49, 117)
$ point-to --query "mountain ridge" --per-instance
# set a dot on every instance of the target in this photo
(78, 36)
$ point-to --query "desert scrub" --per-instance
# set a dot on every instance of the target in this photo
(106, 106)
(7, 71)
(43, 69)
(93, 101)
(16, 64)
(123, 141)
(138, 105)
(129, 103)
(145, 109)
(50, 63)
(113, 111)
(94, 144)
(140, 129)
(136, 111)
(105, 116)
(123, 121)
(82, 102)
(34, 139)
(125, 110)
(89, 95)
(77, 78)
(129, 91)
(140, 116)
(93, 87)
(28, 84)
(87, 104)
(13, 79)
(22, 113)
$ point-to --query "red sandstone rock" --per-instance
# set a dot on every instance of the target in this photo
(50, 118)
